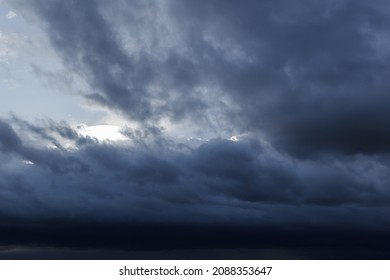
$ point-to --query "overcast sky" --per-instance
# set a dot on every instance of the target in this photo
(141, 126)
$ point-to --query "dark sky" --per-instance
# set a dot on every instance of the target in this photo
(303, 86)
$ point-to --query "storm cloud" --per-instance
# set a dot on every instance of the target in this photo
(302, 86)
(243, 187)
(310, 76)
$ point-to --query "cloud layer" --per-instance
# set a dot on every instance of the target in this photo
(244, 187)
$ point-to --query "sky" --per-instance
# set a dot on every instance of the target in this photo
(195, 129)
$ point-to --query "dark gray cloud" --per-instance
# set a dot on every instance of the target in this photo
(310, 76)
(9, 139)
(305, 81)
(315, 75)
(140, 85)
(100, 191)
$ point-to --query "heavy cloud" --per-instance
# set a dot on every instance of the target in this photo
(304, 83)
(103, 195)
(310, 76)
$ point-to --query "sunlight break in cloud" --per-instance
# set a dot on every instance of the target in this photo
(102, 132)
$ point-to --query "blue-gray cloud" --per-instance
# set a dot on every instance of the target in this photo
(220, 185)
(305, 81)
(310, 76)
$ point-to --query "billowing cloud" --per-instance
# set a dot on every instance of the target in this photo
(219, 185)
(303, 85)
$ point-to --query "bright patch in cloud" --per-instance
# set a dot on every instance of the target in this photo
(102, 132)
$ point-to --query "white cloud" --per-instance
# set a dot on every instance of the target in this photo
(234, 138)
(28, 162)
(11, 15)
